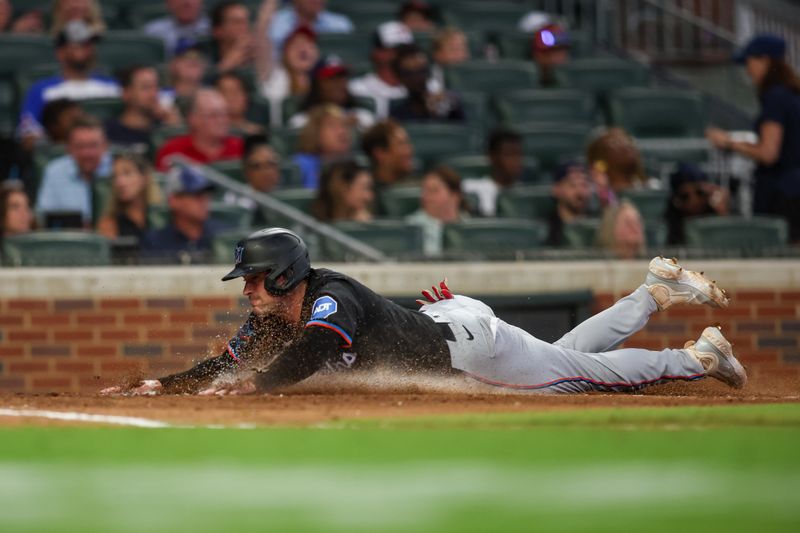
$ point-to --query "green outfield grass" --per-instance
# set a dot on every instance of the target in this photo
(670, 469)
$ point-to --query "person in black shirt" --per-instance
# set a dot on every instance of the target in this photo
(572, 192)
(307, 320)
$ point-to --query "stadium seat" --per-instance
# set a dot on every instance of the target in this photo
(477, 166)
(351, 48)
(651, 203)
(224, 243)
(546, 105)
(20, 52)
(399, 201)
(434, 141)
(103, 108)
(492, 77)
(581, 234)
(367, 15)
(551, 144)
(395, 238)
(141, 13)
(661, 113)
(231, 215)
(493, 237)
(600, 75)
(101, 195)
(300, 199)
(56, 249)
(490, 17)
(476, 109)
(738, 235)
(231, 168)
(517, 45)
(119, 49)
(655, 235)
(527, 202)
(9, 112)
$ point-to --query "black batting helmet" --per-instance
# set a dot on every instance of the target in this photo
(277, 251)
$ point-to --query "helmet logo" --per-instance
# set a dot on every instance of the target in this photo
(237, 254)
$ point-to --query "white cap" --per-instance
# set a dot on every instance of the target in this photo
(391, 34)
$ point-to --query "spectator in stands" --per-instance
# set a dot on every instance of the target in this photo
(391, 155)
(382, 83)
(777, 152)
(572, 191)
(28, 22)
(185, 24)
(58, 116)
(16, 216)
(692, 194)
(133, 190)
(75, 51)
(261, 169)
(417, 16)
(209, 137)
(188, 235)
(234, 89)
(291, 77)
(233, 43)
(615, 165)
(345, 193)
(505, 170)
(87, 11)
(442, 202)
(187, 68)
(549, 49)
(328, 136)
(67, 180)
(143, 111)
(621, 231)
(412, 68)
(329, 86)
(450, 47)
(311, 13)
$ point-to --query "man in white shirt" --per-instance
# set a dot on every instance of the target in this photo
(382, 83)
(186, 23)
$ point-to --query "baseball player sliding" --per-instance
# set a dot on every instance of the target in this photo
(307, 320)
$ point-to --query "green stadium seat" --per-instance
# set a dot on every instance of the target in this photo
(56, 249)
(141, 13)
(435, 141)
(20, 52)
(231, 215)
(526, 202)
(231, 168)
(350, 47)
(224, 243)
(546, 105)
(477, 166)
(493, 237)
(101, 195)
(655, 234)
(103, 108)
(600, 75)
(120, 49)
(395, 238)
(737, 235)
(581, 234)
(492, 77)
(517, 45)
(399, 201)
(300, 199)
(9, 111)
(551, 144)
(496, 16)
(476, 110)
(651, 112)
(652, 204)
(165, 133)
(367, 15)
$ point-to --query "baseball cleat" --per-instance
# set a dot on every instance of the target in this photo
(715, 353)
(669, 284)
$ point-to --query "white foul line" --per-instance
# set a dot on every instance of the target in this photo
(85, 417)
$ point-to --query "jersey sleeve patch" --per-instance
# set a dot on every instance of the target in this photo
(323, 307)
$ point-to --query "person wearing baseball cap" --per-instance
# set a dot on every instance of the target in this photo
(382, 83)
(187, 237)
(75, 51)
(777, 150)
(550, 48)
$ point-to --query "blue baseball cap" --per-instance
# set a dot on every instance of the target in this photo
(186, 180)
(765, 44)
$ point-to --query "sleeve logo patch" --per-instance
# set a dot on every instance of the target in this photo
(323, 308)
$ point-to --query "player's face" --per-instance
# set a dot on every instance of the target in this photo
(261, 302)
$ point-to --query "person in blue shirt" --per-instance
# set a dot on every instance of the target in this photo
(311, 13)
(777, 152)
(68, 180)
(75, 51)
(187, 237)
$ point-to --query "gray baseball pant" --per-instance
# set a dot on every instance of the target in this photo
(585, 359)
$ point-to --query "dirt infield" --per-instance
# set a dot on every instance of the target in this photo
(370, 396)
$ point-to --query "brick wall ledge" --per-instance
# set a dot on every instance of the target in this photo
(393, 279)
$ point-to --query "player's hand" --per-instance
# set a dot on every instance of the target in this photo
(437, 295)
(238, 388)
(147, 387)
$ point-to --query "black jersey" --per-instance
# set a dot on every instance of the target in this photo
(344, 325)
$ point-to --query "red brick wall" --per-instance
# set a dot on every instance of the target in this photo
(85, 344)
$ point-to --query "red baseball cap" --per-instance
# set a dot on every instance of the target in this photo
(549, 37)
(302, 29)
(329, 67)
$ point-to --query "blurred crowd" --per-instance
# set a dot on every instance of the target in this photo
(247, 88)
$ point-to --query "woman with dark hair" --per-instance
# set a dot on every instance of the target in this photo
(777, 152)
(441, 202)
(345, 193)
(234, 89)
(132, 192)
